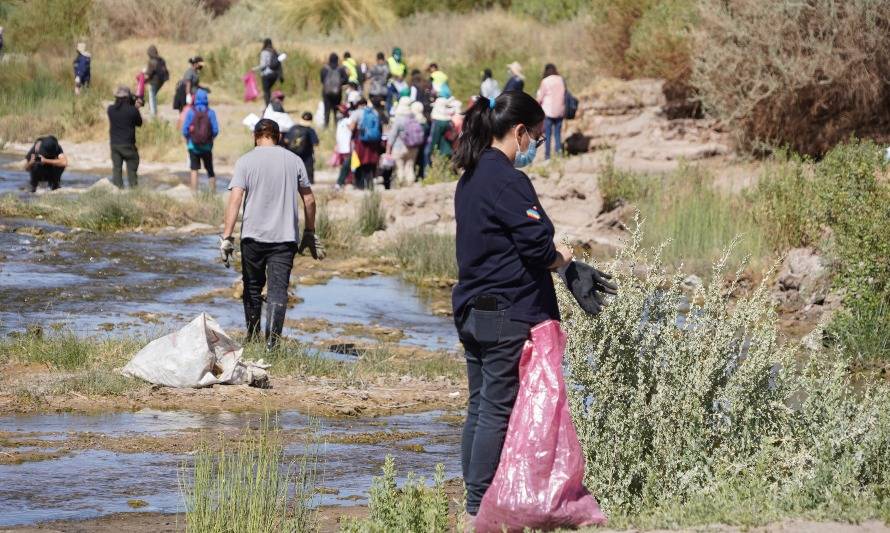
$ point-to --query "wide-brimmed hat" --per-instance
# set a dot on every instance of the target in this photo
(516, 69)
(122, 92)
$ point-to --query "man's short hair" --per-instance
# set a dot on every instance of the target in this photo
(267, 128)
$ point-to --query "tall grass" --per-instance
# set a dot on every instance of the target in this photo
(243, 487)
(618, 186)
(413, 508)
(66, 351)
(698, 221)
(425, 255)
(327, 15)
(108, 211)
(157, 139)
(180, 20)
(715, 419)
(371, 214)
(339, 233)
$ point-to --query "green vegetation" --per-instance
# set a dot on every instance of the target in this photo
(798, 199)
(157, 138)
(440, 171)
(336, 234)
(718, 421)
(242, 487)
(107, 211)
(413, 508)
(618, 186)
(348, 15)
(371, 215)
(66, 351)
(697, 221)
(425, 255)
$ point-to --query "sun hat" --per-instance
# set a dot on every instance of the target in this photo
(516, 69)
(122, 92)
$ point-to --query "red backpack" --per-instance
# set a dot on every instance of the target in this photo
(200, 130)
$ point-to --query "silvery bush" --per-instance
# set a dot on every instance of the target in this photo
(692, 397)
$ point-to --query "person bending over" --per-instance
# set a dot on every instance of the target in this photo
(46, 161)
(267, 181)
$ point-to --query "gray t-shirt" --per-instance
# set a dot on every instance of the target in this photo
(270, 177)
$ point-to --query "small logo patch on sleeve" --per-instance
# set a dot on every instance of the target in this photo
(533, 213)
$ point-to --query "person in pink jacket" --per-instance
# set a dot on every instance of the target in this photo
(552, 97)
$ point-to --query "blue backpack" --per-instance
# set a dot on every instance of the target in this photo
(369, 129)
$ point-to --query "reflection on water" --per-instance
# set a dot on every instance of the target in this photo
(97, 482)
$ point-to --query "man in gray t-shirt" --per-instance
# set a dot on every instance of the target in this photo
(268, 179)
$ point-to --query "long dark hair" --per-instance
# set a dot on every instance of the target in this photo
(483, 123)
(549, 70)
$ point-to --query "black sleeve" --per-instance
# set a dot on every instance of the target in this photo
(30, 153)
(323, 70)
(137, 117)
(519, 211)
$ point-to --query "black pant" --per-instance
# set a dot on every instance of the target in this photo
(309, 163)
(268, 82)
(51, 175)
(262, 261)
(331, 101)
(119, 154)
(364, 176)
(196, 158)
(493, 345)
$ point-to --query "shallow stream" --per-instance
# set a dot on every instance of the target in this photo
(96, 482)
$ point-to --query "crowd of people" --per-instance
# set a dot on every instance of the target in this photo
(391, 121)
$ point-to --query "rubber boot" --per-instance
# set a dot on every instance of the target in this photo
(252, 316)
(274, 324)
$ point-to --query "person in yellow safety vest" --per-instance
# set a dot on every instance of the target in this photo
(437, 77)
(397, 67)
(351, 68)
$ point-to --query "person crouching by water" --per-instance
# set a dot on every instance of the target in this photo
(505, 255)
(46, 161)
(268, 179)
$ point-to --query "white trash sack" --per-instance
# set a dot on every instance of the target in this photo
(198, 355)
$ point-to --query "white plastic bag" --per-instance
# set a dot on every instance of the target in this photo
(198, 355)
(250, 121)
(285, 123)
(319, 115)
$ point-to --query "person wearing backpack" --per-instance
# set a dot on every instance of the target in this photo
(333, 78)
(405, 137)
(156, 75)
(269, 68)
(302, 140)
(199, 128)
(552, 97)
(367, 133)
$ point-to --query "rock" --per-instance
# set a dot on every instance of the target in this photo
(180, 192)
(105, 185)
(804, 279)
(692, 282)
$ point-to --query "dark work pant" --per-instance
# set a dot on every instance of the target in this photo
(51, 175)
(262, 261)
(344, 171)
(268, 82)
(493, 345)
(197, 158)
(119, 154)
(331, 101)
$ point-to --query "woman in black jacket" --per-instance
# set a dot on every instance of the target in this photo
(505, 255)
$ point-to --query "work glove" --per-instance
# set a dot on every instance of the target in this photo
(588, 285)
(226, 249)
(311, 241)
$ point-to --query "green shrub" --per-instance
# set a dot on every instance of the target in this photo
(414, 508)
(178, 20)
(242, 487)
(425, 255)
(371, 214)
(713, 419)
(856, 205)
(337, 233)
(785, 205)
(440, 171)
(327, 15)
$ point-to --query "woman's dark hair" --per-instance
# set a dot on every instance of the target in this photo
(267, 43)
(333, 59)
(549, 70)
(486, 74)
(380, 56)
(484, 123)
(346, 55)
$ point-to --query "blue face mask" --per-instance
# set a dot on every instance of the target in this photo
(527, 157)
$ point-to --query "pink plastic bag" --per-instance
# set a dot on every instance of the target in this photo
(250, 87)
(539, 481)
(140, 85)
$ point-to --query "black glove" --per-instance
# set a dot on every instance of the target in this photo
(587, 285)
(226, 249)
(313, 243)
